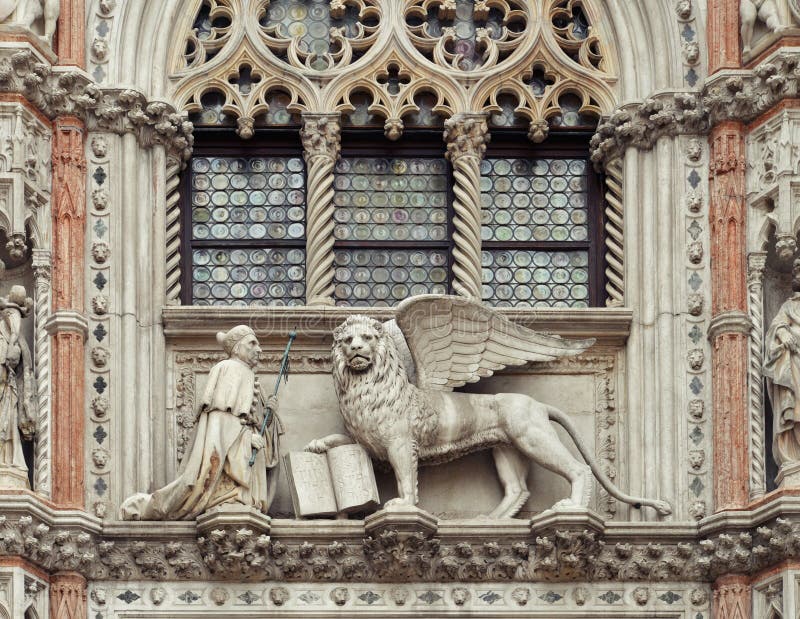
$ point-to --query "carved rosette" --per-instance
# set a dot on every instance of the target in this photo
(321, 147)
(466, 137)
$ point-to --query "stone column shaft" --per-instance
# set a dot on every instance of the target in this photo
(70, 33)
(732, 598)
(67, 325)
(729, 324)
(724, 50)
(321, 148)
(466, 137)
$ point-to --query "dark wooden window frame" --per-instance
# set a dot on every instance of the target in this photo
(223, 142)
(420, 143)
(560, 144)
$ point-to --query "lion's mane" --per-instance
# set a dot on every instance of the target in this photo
(367, 399)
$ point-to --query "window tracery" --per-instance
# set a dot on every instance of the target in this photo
(406, 67)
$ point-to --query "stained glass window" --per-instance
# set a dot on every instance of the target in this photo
(391, 233)
(247, 230)
(537, 219)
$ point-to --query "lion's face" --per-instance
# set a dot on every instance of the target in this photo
(358, 338)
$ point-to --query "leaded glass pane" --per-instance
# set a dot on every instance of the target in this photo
(309, 23)
(530, 278)
(400, 199)
(383, 277)
(248, 198)
(534, 200)
(239, 277)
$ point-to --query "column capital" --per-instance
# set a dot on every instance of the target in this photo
(466, 135)
(321, 136)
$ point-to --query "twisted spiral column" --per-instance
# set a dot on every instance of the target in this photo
(615, 265)
(41, 355)
(755, 303)
(173, 237)
(321, 138)
(466, 137)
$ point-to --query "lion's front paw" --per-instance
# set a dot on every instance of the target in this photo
(317, 446)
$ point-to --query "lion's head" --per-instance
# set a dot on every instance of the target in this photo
(357, 342)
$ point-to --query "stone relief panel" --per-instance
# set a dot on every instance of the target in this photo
(592, 379)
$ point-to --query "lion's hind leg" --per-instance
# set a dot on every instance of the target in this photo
(529, 428)
(512, 468)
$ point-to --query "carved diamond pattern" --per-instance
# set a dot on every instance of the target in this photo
(100, 486)
(670, 597)
(551, 597)
(99, 435)
(128, 596)
(490, 597)
(697, 487)
(610, 597)
(99, 175)
(370, 597)
(190, 597)
(696, 435)
(430, 597)
(696, 334)
(248, 597)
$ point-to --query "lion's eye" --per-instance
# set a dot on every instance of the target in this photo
(367, 338)
(348, 339)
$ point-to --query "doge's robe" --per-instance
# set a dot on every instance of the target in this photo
(217, 468)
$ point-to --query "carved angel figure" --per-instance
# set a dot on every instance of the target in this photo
(766, 11)
(17, 406)
(29, 11)
(395, 380)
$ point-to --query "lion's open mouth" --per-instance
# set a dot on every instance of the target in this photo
(359, 362)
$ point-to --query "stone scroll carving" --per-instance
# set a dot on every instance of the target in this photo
(394, 380)
(217, 469)
(17, 389)
(782, 369)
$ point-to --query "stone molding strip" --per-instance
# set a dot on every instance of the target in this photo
(730, 94)
(58, 91)
(610, 326)
(577, 547)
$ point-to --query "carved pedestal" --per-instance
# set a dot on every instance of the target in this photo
(406, 520)
(13, 477)
(233, 515)
(789, 475)
(572, 519)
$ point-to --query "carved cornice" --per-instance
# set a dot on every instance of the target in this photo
(59, 91)
(727, 323)
(546, 549)
(740, 95)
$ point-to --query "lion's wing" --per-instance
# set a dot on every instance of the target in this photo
(454, 341)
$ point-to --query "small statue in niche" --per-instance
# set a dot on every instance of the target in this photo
(394, 380)
(766, 11)
(17, 390)
(782, 369)
(217, 469)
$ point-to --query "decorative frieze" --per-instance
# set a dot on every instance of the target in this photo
(60, 91)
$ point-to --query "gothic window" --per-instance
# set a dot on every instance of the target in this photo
(244, 224)
(540, 223)
(392, 220)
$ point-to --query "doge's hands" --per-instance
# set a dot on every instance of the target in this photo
(257, 441)
(317, 446)
(272, 403)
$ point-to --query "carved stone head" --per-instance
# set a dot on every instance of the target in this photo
(400, 596)
(641, 595)
(241, 343)
(100, 304)
(340, 595)
(158, 595)
(100, 356)
(356, 342)
(219, 595)
(279, 595)
(460, 596)
(99, 146)
(99, 48)
(696, 358)
(100, 251)
(521, 595)
(100, 406)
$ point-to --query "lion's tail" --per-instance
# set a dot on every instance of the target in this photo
(662, 507)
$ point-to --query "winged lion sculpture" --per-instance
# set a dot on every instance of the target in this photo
(394, 381)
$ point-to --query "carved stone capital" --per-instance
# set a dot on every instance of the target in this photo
(727, 323)
(756, 263)
(59, 91)
(67, 320)
(321, 136)
(466, 135)
(404, 519)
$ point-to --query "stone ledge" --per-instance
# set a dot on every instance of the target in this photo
(610, 326)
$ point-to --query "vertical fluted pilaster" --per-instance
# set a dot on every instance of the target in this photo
(321, 137)
(466, 137)
(732, 598)
(173, 236)
(41, 355)
(615, 263)
(755, 305)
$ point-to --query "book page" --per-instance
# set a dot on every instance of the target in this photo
(310, 483)
(353, 478)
